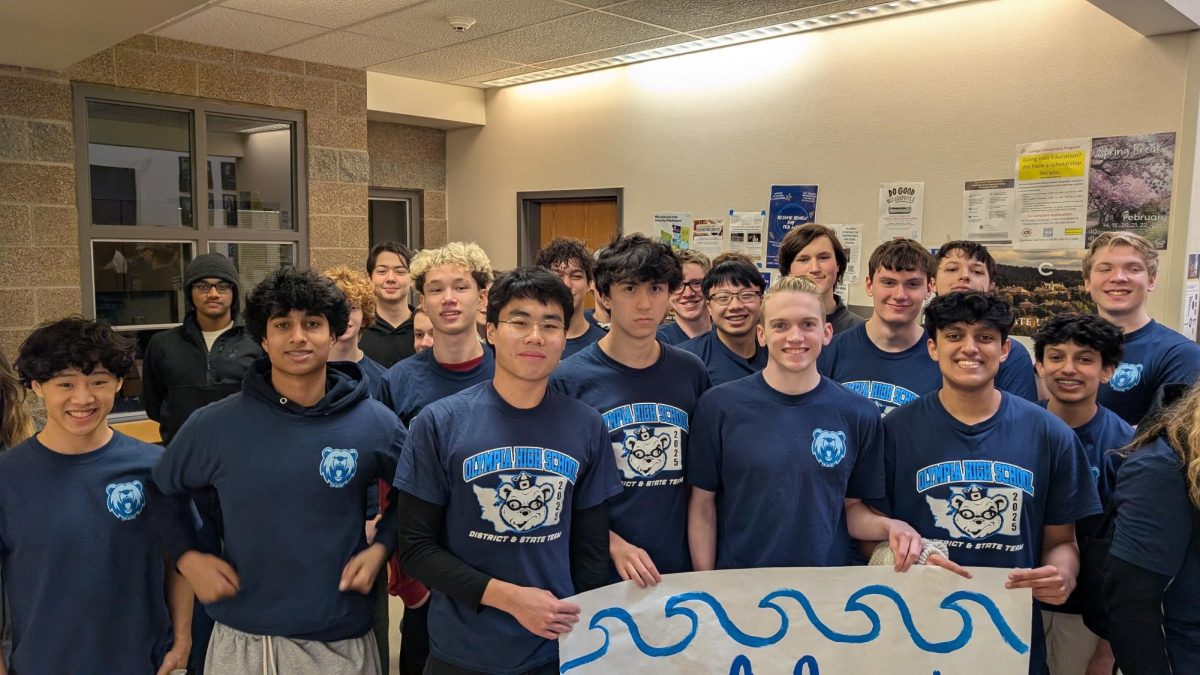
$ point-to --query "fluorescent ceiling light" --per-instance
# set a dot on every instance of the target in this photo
(752, 35)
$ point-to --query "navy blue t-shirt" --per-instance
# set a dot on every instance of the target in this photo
(648, 412)
(1156, 530)
(1016, 374)
(672, 334)
(83, 571)
(509, 479)
(590, 315)
(724, 365)
(890, 379)
(374, 373)
(576, 345)
(1154, 355)
(987, 489)
(781, 466)
(293, 486)
(419, 380)
(1101, 435)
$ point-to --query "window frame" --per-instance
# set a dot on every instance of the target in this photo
(201, 233)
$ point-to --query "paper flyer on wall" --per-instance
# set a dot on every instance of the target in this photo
(901, 210)
(708, 236)
(1129, 186)
(1051, 200)
(988, 211)
(1191, 308)
(851, 238)
(674, 228)
(791, 206)
(746, 233)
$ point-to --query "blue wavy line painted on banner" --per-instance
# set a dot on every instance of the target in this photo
(674, 607)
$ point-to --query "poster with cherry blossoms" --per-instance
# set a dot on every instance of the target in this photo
(1129, 186)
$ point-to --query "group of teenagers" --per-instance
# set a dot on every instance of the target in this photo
(497, 447)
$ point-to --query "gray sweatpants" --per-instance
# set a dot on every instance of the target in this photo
(232, 652)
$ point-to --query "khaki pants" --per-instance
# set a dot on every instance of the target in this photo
(232, 652)
(1069, 643)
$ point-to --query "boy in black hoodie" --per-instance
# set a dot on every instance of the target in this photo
(291, 457)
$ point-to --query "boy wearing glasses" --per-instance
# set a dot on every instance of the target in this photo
(503, 489)
(691, 310)
(734, 289)
(646, 391)
(570, 260)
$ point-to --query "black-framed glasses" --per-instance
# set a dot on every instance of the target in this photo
(204, 286)
(695, 286)
(748, 297)
(522, 327)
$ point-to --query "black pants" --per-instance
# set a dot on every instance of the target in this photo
(414, 639)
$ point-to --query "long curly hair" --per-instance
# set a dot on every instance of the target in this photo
(15, 422)
(1179, 424)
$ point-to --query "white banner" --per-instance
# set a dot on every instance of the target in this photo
(804, 620)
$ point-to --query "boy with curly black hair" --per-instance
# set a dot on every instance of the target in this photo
(80, 521)
(571, 261)
(291, 458)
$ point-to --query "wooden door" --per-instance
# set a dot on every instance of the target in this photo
(595, 222)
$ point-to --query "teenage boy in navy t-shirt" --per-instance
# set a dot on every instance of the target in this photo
(734, 289)
(687, 301)
(82, 525)
(503, 489)
(1076, 353)
(885, 359)
(783, 460)
(291, 457)
(571, 261)
(1120, 270)
(1000, 479)
(646, 392)
(969, 266)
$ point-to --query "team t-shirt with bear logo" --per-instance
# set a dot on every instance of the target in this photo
(648, 413)
(82, 566)
(889, 379)
(781, 466)
(1154, 355)
(509, 480)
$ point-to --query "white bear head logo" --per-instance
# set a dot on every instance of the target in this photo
(338, 466)
(829, 447)
(524, 505)
(977, 515)
(1126, 376)
(126, 500)
(645, 452)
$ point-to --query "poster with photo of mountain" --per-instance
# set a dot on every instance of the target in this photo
(1039, 284)
(1129, 186)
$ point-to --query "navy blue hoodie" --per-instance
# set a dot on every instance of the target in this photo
(292, 482)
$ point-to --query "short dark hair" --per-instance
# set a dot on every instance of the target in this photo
(529, 282)
(733, 269)
(637, 258)
(1086, 330)
(73, 342)
(971, 250)
(968, 307)
(902, 255)
(287, 289)
(799, 238)
(564, 251)
(396, 247)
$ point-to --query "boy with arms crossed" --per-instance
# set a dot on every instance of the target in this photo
(1119, 271)
(81, 521)
(646, 391)
(292, 458)
(691, 310)
(570, 260)
(999, 478)
(734, 289)
(1076, 353)
(502, 487)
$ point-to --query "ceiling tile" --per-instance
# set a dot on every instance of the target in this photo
(690, 15)
(443, 65)
(795, 15)
(478, 80)
(591, 3)
(350, 50)
(224, 27)
(614, 51)
(425, 24)
(328, 13)
(568, 36)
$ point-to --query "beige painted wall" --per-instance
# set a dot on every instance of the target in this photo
(940, 96)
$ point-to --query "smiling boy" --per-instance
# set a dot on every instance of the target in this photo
(730, 351)
(814, 251)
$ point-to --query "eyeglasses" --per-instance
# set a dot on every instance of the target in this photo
(747, 297)
(204, 286)
(522, 328)
(695, 286)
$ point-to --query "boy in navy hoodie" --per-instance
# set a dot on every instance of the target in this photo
(291, 458)
(503, 490)
(79, 519)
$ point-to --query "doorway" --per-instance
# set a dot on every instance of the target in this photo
(593, 216)
(394, 215)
